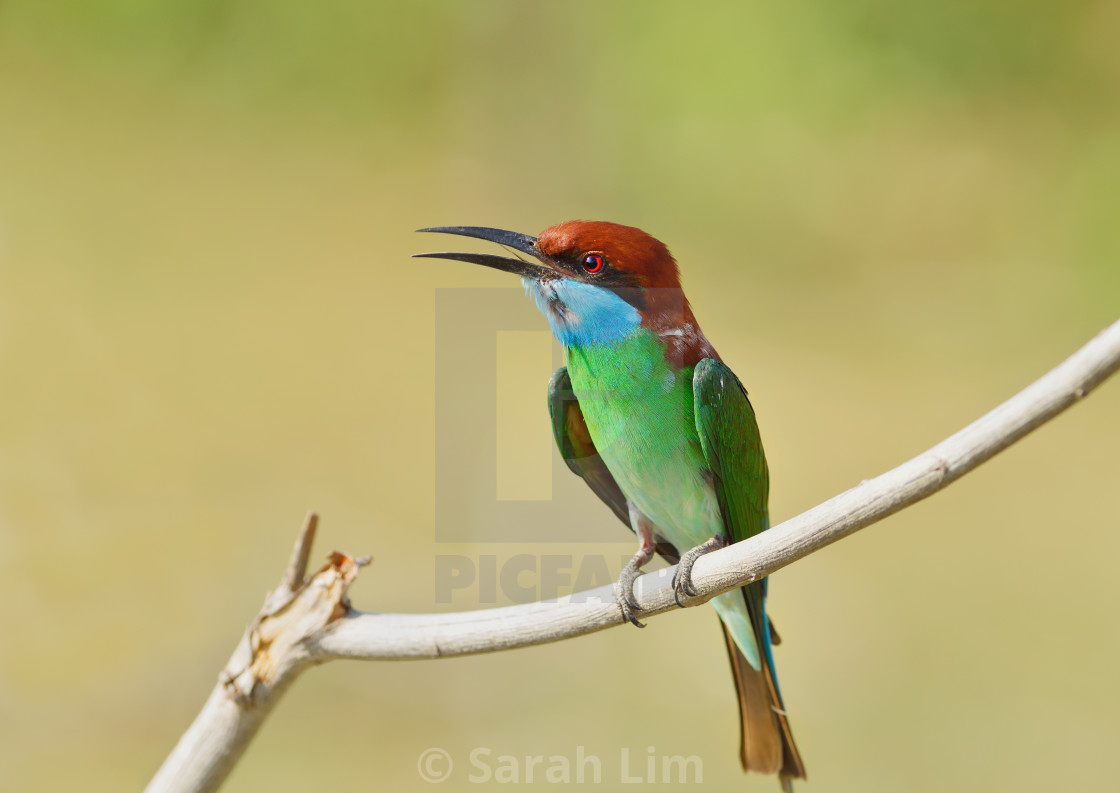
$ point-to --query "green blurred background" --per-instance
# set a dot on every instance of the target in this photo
(890, 217)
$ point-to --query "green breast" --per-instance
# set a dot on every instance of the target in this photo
(639, 410)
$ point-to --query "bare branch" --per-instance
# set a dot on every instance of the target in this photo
(396, 636)
(308, 622)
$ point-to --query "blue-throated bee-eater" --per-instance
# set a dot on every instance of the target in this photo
(660, 429)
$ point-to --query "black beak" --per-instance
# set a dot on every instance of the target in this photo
(521, 243)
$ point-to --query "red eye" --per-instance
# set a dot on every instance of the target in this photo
(593, 263)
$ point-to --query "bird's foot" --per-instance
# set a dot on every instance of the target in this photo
(626, 600)
(682, 579)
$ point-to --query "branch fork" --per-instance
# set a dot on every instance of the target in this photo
(294, 612)
(271, 654)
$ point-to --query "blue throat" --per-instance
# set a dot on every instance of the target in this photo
(581, 314)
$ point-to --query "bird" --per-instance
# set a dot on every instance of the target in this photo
(660, 429)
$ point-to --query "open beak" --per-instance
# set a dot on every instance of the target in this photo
(522, 243)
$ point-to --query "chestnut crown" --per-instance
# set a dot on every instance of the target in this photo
(610, 253)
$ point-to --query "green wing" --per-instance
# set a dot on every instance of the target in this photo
(732, 447)
(573, 439)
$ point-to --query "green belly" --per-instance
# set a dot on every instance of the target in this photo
(638, 408)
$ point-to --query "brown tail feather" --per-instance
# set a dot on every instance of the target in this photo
(767, 744)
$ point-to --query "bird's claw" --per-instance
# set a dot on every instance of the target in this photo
(626, 600)
(682, 579)
(629, 614)
(625, 593)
